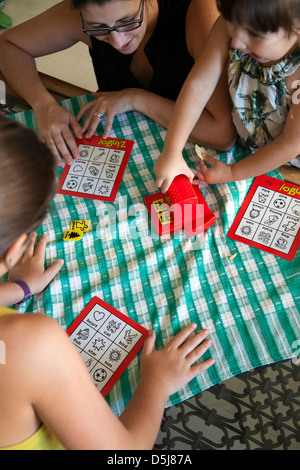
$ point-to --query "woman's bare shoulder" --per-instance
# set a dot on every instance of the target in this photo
(201, 16)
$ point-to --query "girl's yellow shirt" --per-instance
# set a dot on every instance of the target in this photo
(42, 439)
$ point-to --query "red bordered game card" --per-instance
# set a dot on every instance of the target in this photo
(269, 218)
(98, 173)
(107, 340)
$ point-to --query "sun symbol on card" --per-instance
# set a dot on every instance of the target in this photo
(115, 355)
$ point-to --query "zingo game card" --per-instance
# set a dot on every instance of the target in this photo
(98, 173)
(107, 341)
(269, 218)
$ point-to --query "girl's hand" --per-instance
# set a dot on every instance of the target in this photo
(167, 167)
(172, 367)
(55, 125)
(108, 104)
(31, 267)
(212, 171)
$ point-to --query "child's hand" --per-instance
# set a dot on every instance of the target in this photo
(172, 367)
(31, 267)
(167, 167)
(216, 171)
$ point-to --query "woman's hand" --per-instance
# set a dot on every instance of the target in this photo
(31, 266)
(108, 104)
(172, 367)
(55, 126)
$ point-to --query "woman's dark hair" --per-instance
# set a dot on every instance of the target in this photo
(27, 181)
(263, 15)
(77, 4)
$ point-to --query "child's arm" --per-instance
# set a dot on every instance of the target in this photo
(195, 93)
(55, 382)
(276, 153)
(30, 269)
(164, 372)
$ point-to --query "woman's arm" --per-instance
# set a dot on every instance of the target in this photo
(54, 30)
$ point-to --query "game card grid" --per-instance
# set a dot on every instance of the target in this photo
(107, 341)
(98, 171)
(271, 219)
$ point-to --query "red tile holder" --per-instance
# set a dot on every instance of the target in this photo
(182, 208)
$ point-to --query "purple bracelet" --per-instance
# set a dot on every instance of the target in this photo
(26, 290)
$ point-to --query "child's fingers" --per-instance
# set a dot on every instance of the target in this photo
(197, 181)
(41, 246)
(198, 177)
(208, 159)
(191, 345)
(149, 344)
(203, 168)
(31, 244)
(51, 272)
(194, 355)
(202, 366)
(163, 183)
(181, 337)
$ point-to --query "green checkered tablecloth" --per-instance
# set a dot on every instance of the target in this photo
(250, 303)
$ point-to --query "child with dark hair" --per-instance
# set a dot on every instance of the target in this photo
(142, 52)
(48, 400)
(260, 39)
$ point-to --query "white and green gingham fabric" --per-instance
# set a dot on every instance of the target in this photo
(250, 304)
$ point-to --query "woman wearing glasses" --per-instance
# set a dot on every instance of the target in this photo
(142, 52)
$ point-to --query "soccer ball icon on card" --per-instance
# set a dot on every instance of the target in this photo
(183, 207)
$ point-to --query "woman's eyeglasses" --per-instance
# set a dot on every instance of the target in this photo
(122, 28)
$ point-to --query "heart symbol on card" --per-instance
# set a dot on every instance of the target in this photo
(98, 315)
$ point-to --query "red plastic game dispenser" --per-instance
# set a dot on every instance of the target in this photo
(182, 208)
(182, 191)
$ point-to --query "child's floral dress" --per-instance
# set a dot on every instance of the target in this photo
(260, 98)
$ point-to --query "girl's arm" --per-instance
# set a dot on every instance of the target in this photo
(276, 153)
(54, 30)
(56, 383)
(195, 93)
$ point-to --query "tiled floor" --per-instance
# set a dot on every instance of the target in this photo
(72, 65)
